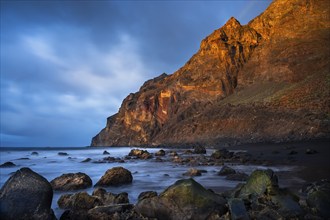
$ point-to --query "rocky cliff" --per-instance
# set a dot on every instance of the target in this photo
(268, 80)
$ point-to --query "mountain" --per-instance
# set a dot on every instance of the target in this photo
(267, 81)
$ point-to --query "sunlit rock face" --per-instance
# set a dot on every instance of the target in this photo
(264, 81)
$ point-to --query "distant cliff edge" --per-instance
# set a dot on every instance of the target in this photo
(267, 81)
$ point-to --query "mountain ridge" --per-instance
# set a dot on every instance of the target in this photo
(270, 67)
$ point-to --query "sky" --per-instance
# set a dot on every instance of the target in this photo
(67, 65)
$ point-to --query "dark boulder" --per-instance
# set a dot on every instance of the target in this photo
(78, 201)
(86, 160)
(71, 181)
(7, 165)
(310, 151)
(237, 209)
(115, 176)
(26, 195)
(111, 212)
(318, 198)
(226, 170)
(63, 154)
(199, 150)
(106, 152)
(147, 194)
(35, 153)
(108, 198)
(186, 199)
(160, 153)
(221, 154)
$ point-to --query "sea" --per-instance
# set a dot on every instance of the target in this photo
(148, 175)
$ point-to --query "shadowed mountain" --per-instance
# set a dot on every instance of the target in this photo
(268, 80)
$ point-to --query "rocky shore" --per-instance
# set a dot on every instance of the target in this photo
(28, 195)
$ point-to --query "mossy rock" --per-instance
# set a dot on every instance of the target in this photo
(318, 198)
(186, 199)
(260, 182)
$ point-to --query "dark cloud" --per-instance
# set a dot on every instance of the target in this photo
(67, 65)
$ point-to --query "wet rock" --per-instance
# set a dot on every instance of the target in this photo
(106, 152)
(226, 170)
(71, 181)
(147, 194)
(26, 195)
(318, 198)
(186, 199)
(140, 154)
(237, 209)
(188, 152)
(63, 154)
(115, 176)
(293, 152)
(78, 201)
(260, 182)
(108, 198)
(86, 160)
(109, 212)
(287, 203)
(160, 153)
(310, 151)
(7, 164)
(75, 215)
(199, 150)
(35, 153)
(173, 153)
(221, 154)
(237, 176)
(193, 172)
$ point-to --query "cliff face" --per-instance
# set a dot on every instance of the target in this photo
(268, 80)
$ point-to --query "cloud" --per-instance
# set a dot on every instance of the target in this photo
(67, 65)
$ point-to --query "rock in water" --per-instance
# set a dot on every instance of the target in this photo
(186, 199)
(318, 198)
(71, 181)
(226, 170)
(7, 164)
(199, 150)
(26, 195)
(259, 183)
(115, 176)
(237, 209)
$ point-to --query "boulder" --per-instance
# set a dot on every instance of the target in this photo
(86, 160)
(160, 153)
(71, 181)
(221, 154)
(7, 165)
(193, 172)
(237, 209)
(78, 201)
(287, 203)
(310, 151)
(35, 153)
(115, 176)
(186, 199)
(109, 212)
(226, 170)
(26, 195)
(106, 152)
(108, 198)
(318, 198)
(147, 194)
(63, 154)
(260, 182)
(140, 154)
(199, 150)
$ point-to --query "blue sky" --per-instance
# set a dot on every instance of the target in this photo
(67, 65)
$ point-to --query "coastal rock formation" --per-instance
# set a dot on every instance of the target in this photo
(71, 181)
(115, 176)
(26, 195)
(264, 81)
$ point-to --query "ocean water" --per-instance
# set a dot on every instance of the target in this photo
(147, 174)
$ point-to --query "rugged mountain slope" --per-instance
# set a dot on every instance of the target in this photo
(268, 80)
